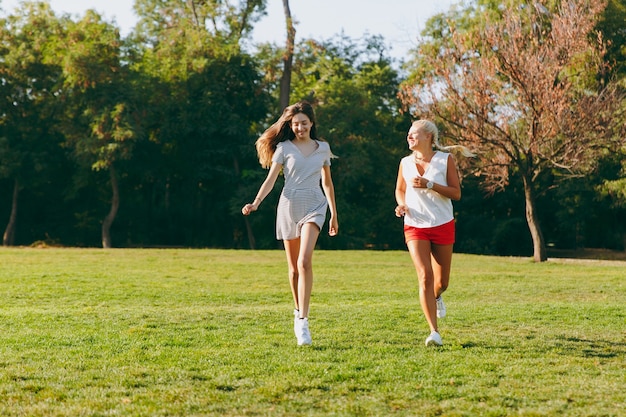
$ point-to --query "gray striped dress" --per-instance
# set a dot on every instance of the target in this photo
(302, 199)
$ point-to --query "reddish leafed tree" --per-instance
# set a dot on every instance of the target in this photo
(522, 91)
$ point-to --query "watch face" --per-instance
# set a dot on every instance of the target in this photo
(429, 184)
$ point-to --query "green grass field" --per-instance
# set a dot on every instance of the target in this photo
(133, 332)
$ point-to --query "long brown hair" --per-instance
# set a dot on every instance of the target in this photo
(281, 131)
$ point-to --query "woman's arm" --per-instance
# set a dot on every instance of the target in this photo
(402, 208)
(265, 189)
(329, 191)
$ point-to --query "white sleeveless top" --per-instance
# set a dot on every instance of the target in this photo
(427, 208)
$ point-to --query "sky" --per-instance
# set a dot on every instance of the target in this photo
(398, 21)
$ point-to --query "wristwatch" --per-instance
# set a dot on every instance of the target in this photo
(430, 185)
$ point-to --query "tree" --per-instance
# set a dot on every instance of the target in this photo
(225, 23)
(206, 99)
(523, 90)
(285, 80)
(100, 125)
(612, 26)
(29, 147)
(615, 190)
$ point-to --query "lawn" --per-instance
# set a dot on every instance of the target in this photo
(176, 332)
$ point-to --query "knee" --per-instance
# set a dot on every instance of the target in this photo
(426, 279)
(305, 264)
(426, 287)
(293, 273)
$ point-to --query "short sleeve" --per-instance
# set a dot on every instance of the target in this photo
(329, 155)
(279, 154)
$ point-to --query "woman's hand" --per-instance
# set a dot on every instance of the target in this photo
(420, 182)
(249, 208)
(401, 210)
(333, 226)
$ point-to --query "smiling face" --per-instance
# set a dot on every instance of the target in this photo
(417, 136)
(301, 126)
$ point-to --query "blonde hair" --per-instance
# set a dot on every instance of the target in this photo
(281, 131)
(429, 127)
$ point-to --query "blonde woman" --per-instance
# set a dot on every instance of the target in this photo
(291, 145)
(427, 183)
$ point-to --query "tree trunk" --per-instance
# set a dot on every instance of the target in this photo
(8, 239)
(285, 81)
(115, 204)
(539, 245)
(251, 239)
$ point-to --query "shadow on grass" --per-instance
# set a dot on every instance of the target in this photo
(571, 346)
(486, 345)
(592, 348)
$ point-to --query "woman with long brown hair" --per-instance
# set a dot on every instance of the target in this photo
(291, 145)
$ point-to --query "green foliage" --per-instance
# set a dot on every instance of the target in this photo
(99, 125)
(197, 332)
(180, 33)
(28, 145)
(511, 238)
(175, 109)
(203, 101)
(611, 25)
(616, 189)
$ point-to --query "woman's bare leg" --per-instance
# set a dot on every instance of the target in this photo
(292, 249)
(441, 264)
(420, 251)
(308, 239)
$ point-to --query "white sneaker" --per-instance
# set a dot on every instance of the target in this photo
(434, 339)
(302, 332)
(296, 316)
(441, 308)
